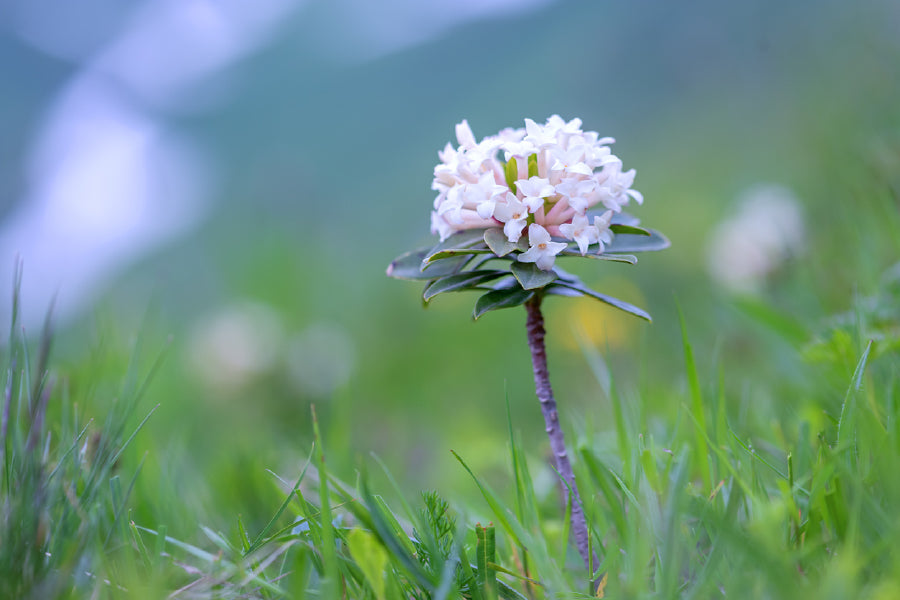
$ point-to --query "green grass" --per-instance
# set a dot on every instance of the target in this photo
(727, 498)
(747, 448)
(737, 448)
(64, 495)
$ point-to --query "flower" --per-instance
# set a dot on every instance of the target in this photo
(615, 192)
(604, 234)
(767, 229)
(464, 135)
(547, 175)
(578, 192)
(581, 231)
(535, 189)
(514, 214)
(543, 251)
(571, 162)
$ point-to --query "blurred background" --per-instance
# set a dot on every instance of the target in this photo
(224, 182)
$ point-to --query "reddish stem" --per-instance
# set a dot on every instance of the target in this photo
(536, 333)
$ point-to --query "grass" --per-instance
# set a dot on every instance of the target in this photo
(63, 493)
(748, 449)
(725, 499)
(752, 456)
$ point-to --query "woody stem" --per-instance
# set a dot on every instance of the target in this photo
(536, 333)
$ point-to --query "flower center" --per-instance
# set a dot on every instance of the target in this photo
(542, 246)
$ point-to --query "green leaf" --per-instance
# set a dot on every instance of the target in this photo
(532, 165)
(457, 244)
(373, 513)
(620, 228)
(847, 420)
(460, 281)
(559, 290)
(498, 299)
(512, 173)
(260, 539)
(454, 252)
(409, 266)
(330, 564)
(701, 456)
(498, 242)
(531, 277)
(485, 555)
(460, 239)
(505, 283)
(629, 242)
(371, 557)
(622, 258)
(578, 286)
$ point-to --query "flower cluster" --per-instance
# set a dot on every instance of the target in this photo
(543, 179)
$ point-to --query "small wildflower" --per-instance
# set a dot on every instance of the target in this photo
(550, 175)
(530, 184)
(584, 234)
(514, 215)
(535, 189)
(543, 250)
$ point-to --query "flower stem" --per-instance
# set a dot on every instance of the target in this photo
(536, 333)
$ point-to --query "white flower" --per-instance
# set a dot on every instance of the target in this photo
(540, 136)
(616, 191)
(560, 127)
(520, 150)
(440, 226)
(543, 251)
(604, 235)
(448, 154)
(578, 192)
(767, 229)
(581, 231)
(534, 189)
(571, 162)
(232, 346)
(511, 134)
(451, 206)
(596, 152)
(483, 195)
(514, 214)
(561, 172)
(464, 135)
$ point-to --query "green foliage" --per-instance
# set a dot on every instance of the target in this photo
(701, 505)
(457, 264)
(875, 317)
(698, 507)
(451, 283)
(530, 277)
(502, 298)
(64, 496)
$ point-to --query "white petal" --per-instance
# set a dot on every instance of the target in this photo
(583, 242)
(513, 229)
(464, 135)
(537, 235)
(533, 203)
(486, 209)
(545, 262)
